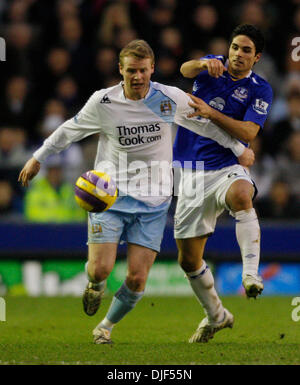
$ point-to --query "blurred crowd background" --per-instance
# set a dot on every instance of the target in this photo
(58, 52)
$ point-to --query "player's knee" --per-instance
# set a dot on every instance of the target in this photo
(136, 281)
(188, 262)
(98, 271)
(242, 200)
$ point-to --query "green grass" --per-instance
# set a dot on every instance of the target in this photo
(56, 331)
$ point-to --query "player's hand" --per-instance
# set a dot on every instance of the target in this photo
(215, 67)
(201, 108)
(247, 158)
(29, 171)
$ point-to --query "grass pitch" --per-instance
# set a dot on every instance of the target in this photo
(56, 331)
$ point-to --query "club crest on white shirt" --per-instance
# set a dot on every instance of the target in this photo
(166, 107)
(260, 106)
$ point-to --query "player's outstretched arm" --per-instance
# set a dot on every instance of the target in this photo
(85, 123)
(29, 171)
(192, 68)
(203, 127)
(242, 130)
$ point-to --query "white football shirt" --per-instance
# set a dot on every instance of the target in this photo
(135, 137)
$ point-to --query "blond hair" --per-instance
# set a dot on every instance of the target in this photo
(139, 49)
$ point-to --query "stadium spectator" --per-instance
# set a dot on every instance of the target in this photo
(161, 16)
(19, 106)
(67, 92)
(267, 69)
(170, 42)
(23, 50)
(217, 46)
(66, 9)
(120, 15)
(282, 130)
(265, 15)
(18, 11)
(123, 36)
(167, 71)
(251, 12)
(115, 17)
(280, 204)
(105, 66)
(204, 26)
(13, 151)
(54, 114)
(280, 110)
(71, 38)
(71, 158)
(10, 202)
(289, 163)
(57, 65)
(51, 198)
(264, 169)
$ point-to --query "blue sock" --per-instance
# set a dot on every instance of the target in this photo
(123, 301)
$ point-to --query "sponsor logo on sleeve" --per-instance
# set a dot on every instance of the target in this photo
(260, 106)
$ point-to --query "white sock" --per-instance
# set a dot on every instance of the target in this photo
(96, 285)
(248, 236)
(202, 283)
(106, 324)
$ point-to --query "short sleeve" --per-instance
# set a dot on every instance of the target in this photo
(259, 106)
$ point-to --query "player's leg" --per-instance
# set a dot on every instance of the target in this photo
(190, 258)
(140, 259)
(104, 231)
(239, 199)
(193, 223)
(144, 234)
(101, 260)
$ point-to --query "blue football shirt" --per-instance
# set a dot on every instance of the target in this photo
(247, 99)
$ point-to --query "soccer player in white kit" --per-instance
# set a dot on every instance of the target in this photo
(134, 120)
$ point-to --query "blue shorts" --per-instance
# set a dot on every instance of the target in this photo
(129, 220)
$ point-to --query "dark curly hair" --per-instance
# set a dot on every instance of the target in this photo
(253, 33)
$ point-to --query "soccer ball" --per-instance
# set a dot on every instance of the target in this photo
(95, 191)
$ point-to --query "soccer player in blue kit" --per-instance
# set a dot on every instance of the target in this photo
(228, 94)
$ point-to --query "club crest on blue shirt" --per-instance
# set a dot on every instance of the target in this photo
(260, 106)
(240, 94)
(217, 103)
(166, 107)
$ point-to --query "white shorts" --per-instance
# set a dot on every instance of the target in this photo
(197, 215)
